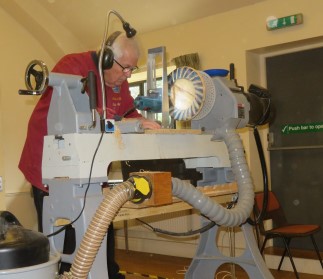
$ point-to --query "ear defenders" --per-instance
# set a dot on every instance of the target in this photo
(108, 56)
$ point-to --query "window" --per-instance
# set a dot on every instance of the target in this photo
(140, 87)
(137, 88)
(138, 84)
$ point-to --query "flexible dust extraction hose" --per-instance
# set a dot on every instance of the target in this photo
(208, 207)
(97, 229)
(123, 192)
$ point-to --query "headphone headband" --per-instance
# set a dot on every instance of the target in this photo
(112, 38)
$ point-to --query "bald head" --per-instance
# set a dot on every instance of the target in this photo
(123, 45)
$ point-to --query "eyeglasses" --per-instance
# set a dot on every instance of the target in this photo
(126, 70)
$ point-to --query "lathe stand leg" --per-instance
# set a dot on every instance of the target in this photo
(65, 201)
(209, 258)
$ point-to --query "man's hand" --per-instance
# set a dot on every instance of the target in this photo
(149, 124)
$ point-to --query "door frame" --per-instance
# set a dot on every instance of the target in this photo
(256, 74)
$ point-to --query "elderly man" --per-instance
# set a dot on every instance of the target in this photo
(117, 67)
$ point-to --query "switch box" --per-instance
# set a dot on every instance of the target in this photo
(161, 188)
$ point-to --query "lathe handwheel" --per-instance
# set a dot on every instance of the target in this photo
(36, 76)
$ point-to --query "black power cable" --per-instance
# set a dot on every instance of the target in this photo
(203, 229)
(85, 194)
(265, 179)
(188, 233)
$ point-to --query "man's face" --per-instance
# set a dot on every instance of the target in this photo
(117, 75)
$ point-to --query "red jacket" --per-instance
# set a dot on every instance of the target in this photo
(76, 64)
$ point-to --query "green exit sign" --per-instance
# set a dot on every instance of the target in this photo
(302, 128)
(283, 22)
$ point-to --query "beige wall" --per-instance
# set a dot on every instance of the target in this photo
(23, 39)
(219, 40)
(240, 37)
(225, 38)
(18, 48)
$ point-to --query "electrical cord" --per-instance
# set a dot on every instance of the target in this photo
(119, 118)
(85, 194)
(227, 274)
(203, 229)
(265, 179)
(189, 233)
(266, 114)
